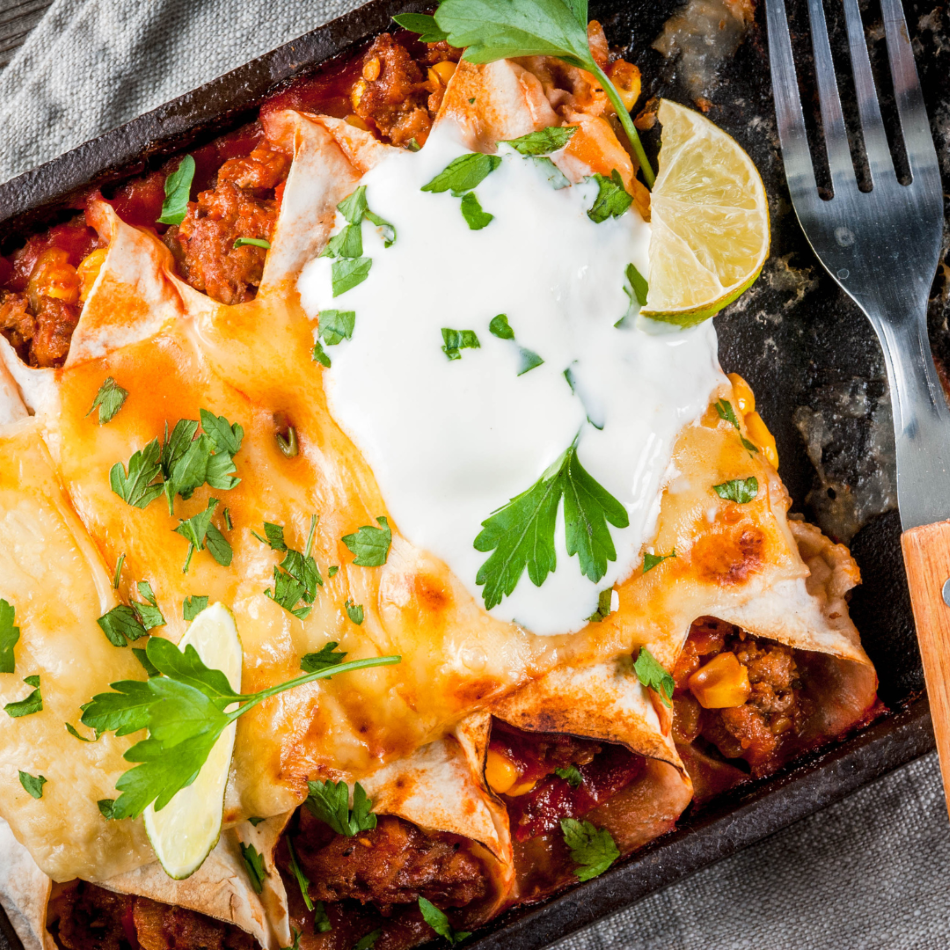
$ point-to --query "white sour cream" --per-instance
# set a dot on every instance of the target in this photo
(451, 441)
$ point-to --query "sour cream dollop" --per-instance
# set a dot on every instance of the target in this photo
(451, 441)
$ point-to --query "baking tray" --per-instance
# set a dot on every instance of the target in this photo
(809, 355)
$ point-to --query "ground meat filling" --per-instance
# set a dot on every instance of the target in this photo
(86, 917)
(762, 730)
(243, 203)
(394, 863)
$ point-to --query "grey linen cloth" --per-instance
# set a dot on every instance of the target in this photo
(870, 872)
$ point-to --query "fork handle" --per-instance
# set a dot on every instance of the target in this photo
(927, 559)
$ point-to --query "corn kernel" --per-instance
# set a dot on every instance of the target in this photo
(721, 683)
(626, 79)
(53, 276)
(760, 435)
(745, 398)
(357, 93)
(500, 772)
(371, 69)
(445, 71)
(522, 788)
(88, 271)
(356, 122)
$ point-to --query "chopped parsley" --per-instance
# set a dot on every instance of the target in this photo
(528, 360)
(33, 703)
(355, 210)
(252, 242)
(256, 821)
(319, 355)
(650, 561)
(368, 941)
(725, 411)
(463, 174)
(593, 849)
(321, 922)
(501, 328)
(200, 533)
(354, 612)
(326, 657)
(639, 288)
(137, 486)
(183, 710)
(76, 734)
(331, 572)
(455, 340)
(347, 244)
(109, 400)
(330, 802)
(177, 192)
(472, 211)
(652, 674)
(604, 606)
(297, 576)
(9, 635)
(254, 865)
(146, 663)
(521, 533)
(440, 923)
(571, 774)
(193, 606)
(336, 326)
(303, 882)
(542, 142)
(429, 32)
(32, 784)
(739, 490)
(612, 198)
(347, 274)
(123, 624)
(117, 574)
(369, 544)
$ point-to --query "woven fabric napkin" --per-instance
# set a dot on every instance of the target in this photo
(870, 872)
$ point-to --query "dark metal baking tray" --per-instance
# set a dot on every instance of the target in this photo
(809, 355)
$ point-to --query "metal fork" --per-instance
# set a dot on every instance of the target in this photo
(882, 248)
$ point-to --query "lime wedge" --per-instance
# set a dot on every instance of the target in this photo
(183, 833)
(710, 220)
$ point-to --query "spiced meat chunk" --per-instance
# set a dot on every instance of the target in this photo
(164, 927)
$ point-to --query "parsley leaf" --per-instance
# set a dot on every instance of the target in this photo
(302, 880)
(346, 274)
(739, 490)
(330, 802)
(253, 242)
(638, 286)
(117, 574)
(650, 561)
(529, 360)
(592, 849)
(472, 211)
(9, 635)
(542, 142)
(612, 198)
(193, 606)
(319, 355)
(440, 923)
(501, 328)
(256, 821)
(604, 609)
(31, 704)
(107, 808)
(455, 340)
(136, 487)
(725, 411)
(224, 436)
(354, 612)
(521, 533)
(74, 732)
(652, 674)
(331, 572)
(571, 775)
(347, 244)
(323, 659)
(336, 326)
(121, 625)
(429, 32)
(183, 709)
(33, 784)
(177, 192)
(463, 174)
(355, 209)
(254, 865)
(493, 31)
(321, 922)
(200, 533)
(369, 544)
(274, 536)
(368, 941)
(109, 400)
(147, 664)
(297, 576)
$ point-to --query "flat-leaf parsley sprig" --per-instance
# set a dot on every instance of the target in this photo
(490, 31)
(185, 709)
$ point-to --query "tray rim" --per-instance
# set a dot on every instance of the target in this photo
(735, 821)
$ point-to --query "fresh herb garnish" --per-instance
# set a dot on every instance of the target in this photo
(33, 703)
(225, 436)
(254, 865)
(326, 657)
(9, 635)
(355, 210)
(501, 328)
(493, 31)
(739, 490)
(652, 674)
(321, 922)
(331, 571)
(440, 923)
(528, 360)
(177, 192)
(108, 400)
(117, 573)
(200, 533)
(725, 411)
(274, 536)
(184, 712)
(319, 355)
(472, 211)
(336, 326)
(193, 606)
(143, 659)
(253, 242)
(256, 821)
(429, 32)
(650, 561)
(521, 533)
(32, 784)
(542, 142)
(124, 623)
(571, 775)
(612, 198)
(369, 544)
(303, 881)
(347, 244)
(604, 609)
(354, 612)
(297, 576)
(148, 612)
(592, 849)
(639, 288)
(136, 487)
(463, 174)
(107, 808)
(368, 941)
(455, 340)
(347, 274)
(74, 732)
(330, 802)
